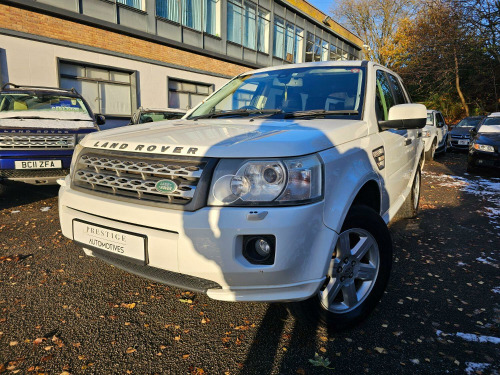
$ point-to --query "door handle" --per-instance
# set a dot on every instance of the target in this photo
(408, 141)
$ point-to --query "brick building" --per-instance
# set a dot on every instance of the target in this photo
(122, 54)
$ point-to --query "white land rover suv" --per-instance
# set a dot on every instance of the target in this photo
(278, 187)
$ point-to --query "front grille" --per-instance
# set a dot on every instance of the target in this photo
(134, 176)
(31, 173)
(37, 141)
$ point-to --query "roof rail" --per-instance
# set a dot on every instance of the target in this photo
(38, 87)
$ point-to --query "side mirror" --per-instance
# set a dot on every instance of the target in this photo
(473, 131)
(100, 120)
(405, 116)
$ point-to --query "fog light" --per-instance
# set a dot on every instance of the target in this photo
(259, 249)
(262, 247)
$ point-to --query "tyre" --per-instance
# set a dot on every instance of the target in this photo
(357, 275)
(409, 209)
(429, 155)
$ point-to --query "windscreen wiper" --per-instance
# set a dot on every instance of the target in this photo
(236, 112)
(318, 113)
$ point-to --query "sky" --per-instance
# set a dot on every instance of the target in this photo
(323, 5)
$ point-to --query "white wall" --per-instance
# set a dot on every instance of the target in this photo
(35, 63)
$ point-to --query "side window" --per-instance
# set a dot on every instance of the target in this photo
(384, 99)
(398, 90)
(439, 120)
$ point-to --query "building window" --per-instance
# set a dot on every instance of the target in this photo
(247, 26)
(191, 14)
(107, 91)
(263, 31)
(137, 4)
(211, 15)
(191, 11)
(334, 55)
(287, 41)
(168, 9)
(312, 52)
(186, 94)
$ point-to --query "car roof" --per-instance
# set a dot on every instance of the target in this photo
(494, 114)
(311, 64)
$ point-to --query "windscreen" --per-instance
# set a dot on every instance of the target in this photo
(490, 125)
(44, 106)
(469, 122)
(159, 116)
(290, 90)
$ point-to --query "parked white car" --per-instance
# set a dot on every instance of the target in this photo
(435, 134)
(278, 187)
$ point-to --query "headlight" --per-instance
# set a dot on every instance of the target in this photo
(426, 134)
(485, 148)
(76, 152)
(271, 182)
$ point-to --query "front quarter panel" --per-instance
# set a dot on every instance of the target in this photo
(347, 168)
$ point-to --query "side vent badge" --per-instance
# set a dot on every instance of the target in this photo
(379, 156)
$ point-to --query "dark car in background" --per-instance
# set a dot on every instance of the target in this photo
(144, 115)
(484, 150)
(459, 136)
(39, 129)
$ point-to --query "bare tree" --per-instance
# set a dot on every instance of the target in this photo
(484, 18)
(375, 22)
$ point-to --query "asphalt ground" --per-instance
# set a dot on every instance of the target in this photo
(61, 312)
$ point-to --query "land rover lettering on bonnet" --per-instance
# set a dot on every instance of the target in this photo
(278, 187)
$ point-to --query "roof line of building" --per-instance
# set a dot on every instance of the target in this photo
(111, 26)
(321, 22)
(39, 38)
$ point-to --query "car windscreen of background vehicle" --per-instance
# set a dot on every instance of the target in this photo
(469, 122)
(290, 90)
(490, 125)
(159, 116)
(43, 106)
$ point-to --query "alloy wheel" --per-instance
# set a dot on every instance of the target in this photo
(352, 272)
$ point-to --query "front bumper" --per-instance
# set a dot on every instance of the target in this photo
(34, 176)
(205, 247)
(483, 159)
(454, 143)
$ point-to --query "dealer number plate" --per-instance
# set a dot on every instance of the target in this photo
(38, 164)
(111, 240)
(463, 142)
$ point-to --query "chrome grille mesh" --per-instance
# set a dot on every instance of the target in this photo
(136, 176)
(37, 141)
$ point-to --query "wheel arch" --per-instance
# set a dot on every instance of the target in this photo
(369, 195)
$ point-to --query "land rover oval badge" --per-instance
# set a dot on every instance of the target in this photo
(166, 186)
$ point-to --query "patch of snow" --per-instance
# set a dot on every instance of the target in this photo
(496, 290)
(488, 189)
(471, 337)
(14, 212)
(44, 209)
(462, 264)
(488, 260)
(473, 367)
